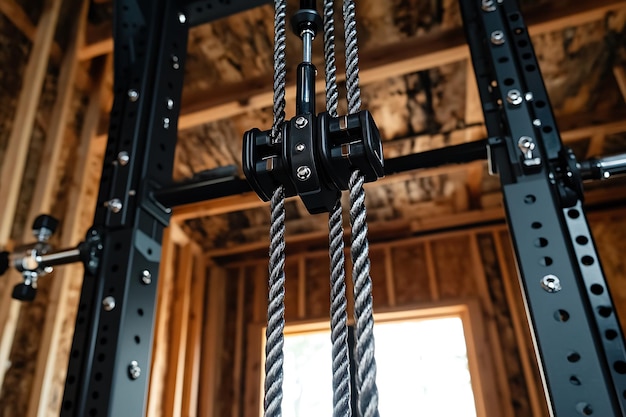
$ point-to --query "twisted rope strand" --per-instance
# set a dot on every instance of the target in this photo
(363, 304)
(352, 57)
(332, 96)
(274, 335)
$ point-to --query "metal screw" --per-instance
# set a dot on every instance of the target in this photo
(166, 122)
(146, 277)
(175, 63)
(300, 147)
(529, 96)
(133, 95)
(134, 371)
(114, 205)
(303, 172)
(537, 122)
(301, 122)
(497, 37)
(169, 103)
(123, 158)
(514, 97)
(488, 6)
(108, 303)
(551, 283)
(182, 18)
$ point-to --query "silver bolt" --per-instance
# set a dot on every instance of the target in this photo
(497, 37)
(108, 303)
(529, 96)
(175, 63)
(537, 122)
(133, 95)
(300, 147)
(166, 123)
(182, 18)
(488, 6)
(303, 172)
(527, 146)
(551, 283)
(169, 103)
(123, 158)
(514, 97)
(134, 371)
(146, 277)
(114, 205)
(301, 122)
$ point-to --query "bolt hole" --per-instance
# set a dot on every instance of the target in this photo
(503, 59)
(514, 17)
(140, 312)
(509, 81)
(582, 240)
(103, 340)
(137, 339)
(546, 261)
(536, 225)
(98, 376)
(547, 129)
(605, 311)
(574, 380)
(597, 289)
(101, 357)
(522, 43)
(540, 104)
(610, 334)
(573, 214)
(530, 199)
(573, 357)
(530, 68)
(584, 409)
(527, 55)
(587, 260)
(541, 242)
(620, 367)
(149, 251)
(561, 315)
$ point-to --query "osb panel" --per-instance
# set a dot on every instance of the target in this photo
(454, 267)
(318, 287)
(410, 274)
(379, 281)
(504, 323)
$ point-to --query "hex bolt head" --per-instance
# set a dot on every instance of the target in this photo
(108, 303)
(146, 277)
(133, 95)
(114, 205)
(300, 147)
(301, 122)
(134, 371)
(551, 283)
(514, 97)
(497, 37)
(123, 158)
(303, 172)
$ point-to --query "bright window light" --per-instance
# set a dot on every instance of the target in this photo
(422, 370)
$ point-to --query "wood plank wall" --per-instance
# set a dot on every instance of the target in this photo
(455, 267)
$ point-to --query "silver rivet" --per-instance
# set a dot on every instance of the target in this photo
(108, 303)
(551, 283)
(529, 96)
(488, 6)
(132, 192)
(497, 37)
(146, 277)
(133, 95)
(300, 147)
(301, 122)
(123, 158)
(114, 205)
(537, 122)
(303, 172)
(182, 18)
(514, 97)
(169, 103)
(134, 371)
(166, 123)
(175, 63)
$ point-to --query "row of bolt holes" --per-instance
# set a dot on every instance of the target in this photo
(71, 379)
(563, 316)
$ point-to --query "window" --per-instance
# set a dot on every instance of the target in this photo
(423, 357)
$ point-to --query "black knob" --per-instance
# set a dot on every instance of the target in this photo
(4, 262)
(45, 221)
(24, 292)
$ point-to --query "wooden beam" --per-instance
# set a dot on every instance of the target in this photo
(620, 76)
(43, 198)
(431, 271)
(402, 58)
(14, 162)
(238, 357)
(99, 41)
(389, 277)
(16, 15)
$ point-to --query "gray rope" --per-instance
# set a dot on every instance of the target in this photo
(352, 57)
(338, 303)
(363, 305)
(274, 334)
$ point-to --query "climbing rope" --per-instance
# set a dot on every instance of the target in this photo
(274, 334)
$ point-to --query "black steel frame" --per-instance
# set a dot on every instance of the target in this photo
(578, 339)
